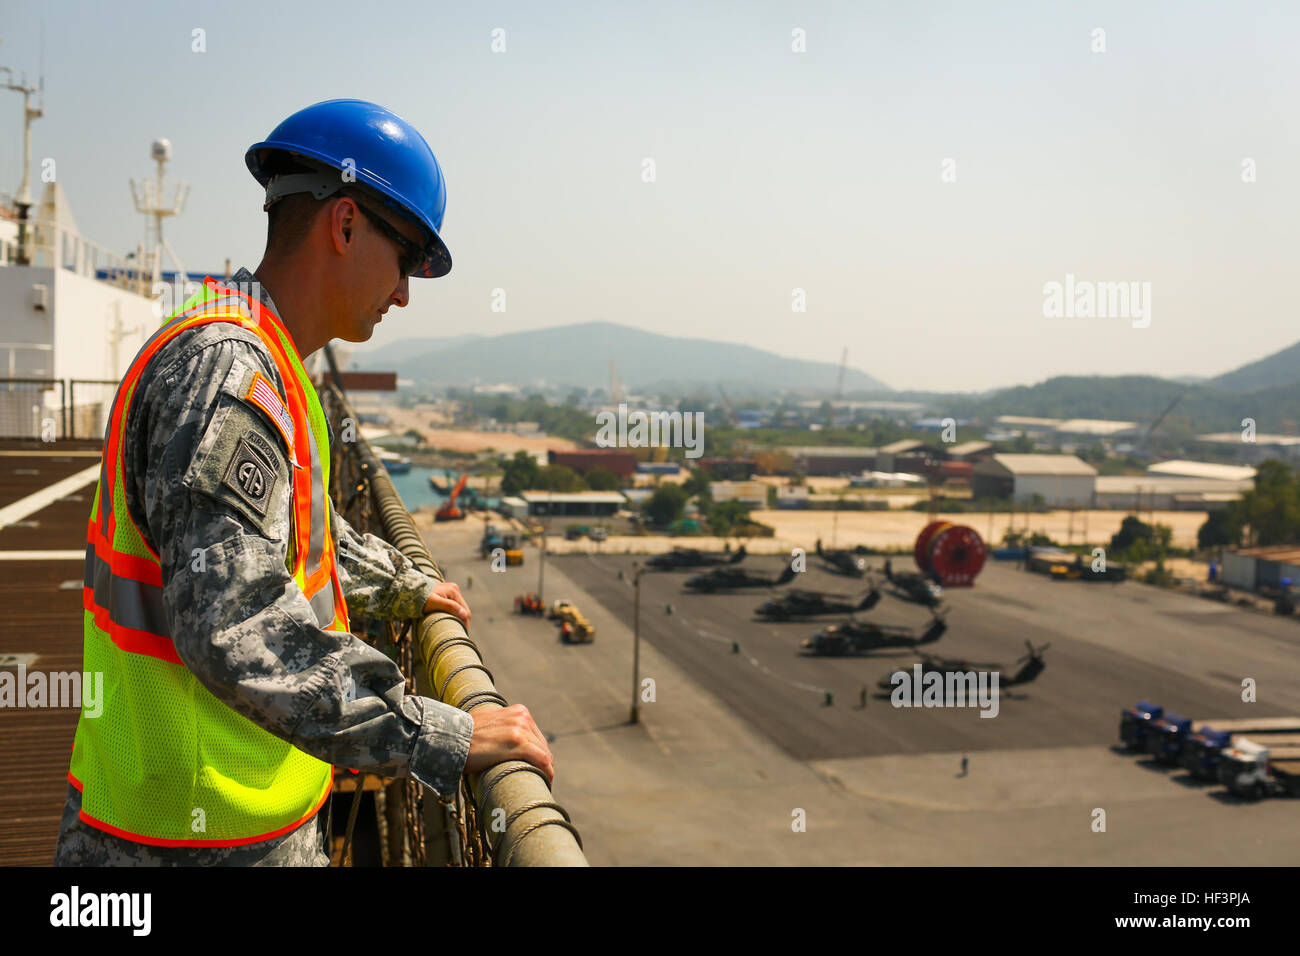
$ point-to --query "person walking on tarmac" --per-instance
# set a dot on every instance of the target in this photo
(219, 577)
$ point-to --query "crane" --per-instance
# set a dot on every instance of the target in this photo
(449, 511)
(731, 412)
(1142, 445)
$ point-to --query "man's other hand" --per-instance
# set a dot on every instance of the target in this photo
(508, 734)
(446, 597)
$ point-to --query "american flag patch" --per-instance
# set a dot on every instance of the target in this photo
(263, 394)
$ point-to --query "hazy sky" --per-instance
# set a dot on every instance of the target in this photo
(775, 170)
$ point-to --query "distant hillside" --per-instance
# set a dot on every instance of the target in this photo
(579, 355)
(385, 357)
(1133, 398)
(1280, 368)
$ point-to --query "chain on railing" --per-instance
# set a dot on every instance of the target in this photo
(505, 815)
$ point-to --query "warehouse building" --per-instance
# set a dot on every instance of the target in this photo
(565, 504)
(1061, 480)
(971, 451)
(1251, 569)
(1166, 493)
(1093, 429)
(908, 455)
(1202, 469)
(1286, 447)
(746, 492)
(621, 463)
(832, 461)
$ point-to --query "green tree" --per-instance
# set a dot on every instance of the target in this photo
(560, 478)
(1131, 531)
(521, 474)
(724, 515)
(601, 479)
(1218, 530)
(666, 504)
(698, 484)
(1272, 507)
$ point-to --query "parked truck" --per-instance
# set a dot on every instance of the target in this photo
(1208, 739)
(1134, 722)
(1254, 769)
(490, 541)
(1165, 735)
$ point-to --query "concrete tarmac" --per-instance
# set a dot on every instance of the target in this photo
(738, 761)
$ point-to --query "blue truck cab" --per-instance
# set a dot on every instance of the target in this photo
(1134, 721)
(1166, 736)
(1201, 752)
(491, 539)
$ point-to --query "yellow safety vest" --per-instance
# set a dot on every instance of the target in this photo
(166, 763)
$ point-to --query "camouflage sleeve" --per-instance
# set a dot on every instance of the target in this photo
(239, 621)
(377, 579)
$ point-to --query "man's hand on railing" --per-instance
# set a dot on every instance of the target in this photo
(508, 734)
(446, 597)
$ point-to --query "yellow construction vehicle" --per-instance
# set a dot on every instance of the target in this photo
(574, 628)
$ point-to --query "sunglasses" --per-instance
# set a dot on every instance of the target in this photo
(413, 256)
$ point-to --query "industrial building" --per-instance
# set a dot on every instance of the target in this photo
(908, 455)
(1166, 493)
(1072, 431)
(746, 492)
(741, 468)
(1093, 429)
(1234, 444)
(1202, 469)
(831, 461)
(1253, 568)
(621, 463)
(567, 504)
(1061, 480)
(972, 451)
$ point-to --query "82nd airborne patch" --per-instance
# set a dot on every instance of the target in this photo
(251, 473)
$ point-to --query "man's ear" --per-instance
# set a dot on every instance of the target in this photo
(342, 224)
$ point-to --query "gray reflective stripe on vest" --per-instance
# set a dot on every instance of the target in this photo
(316, 549)
(322, 602)
(131, 604)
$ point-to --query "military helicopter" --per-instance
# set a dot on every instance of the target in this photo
(800, 603)
(842, 561)
(726, 579)
(693, 558)
(914, 587)
(860, 637)
(1033, 666)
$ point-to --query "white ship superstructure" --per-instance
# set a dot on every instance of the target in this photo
(72, 313)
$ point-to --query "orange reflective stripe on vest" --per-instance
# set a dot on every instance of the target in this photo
(165, 762)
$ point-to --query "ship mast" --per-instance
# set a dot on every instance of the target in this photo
(150, 199)
(23, 201)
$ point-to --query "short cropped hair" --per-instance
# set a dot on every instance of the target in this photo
(290, 218)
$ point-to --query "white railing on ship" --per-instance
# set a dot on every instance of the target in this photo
(64, 249)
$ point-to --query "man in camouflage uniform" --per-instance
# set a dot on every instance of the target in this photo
(238, 624)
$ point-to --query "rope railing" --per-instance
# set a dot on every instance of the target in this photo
(510, 817)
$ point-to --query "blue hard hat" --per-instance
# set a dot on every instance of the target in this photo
(385, 153)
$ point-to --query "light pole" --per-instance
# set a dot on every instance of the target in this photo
(636, 638)
(541, 566)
